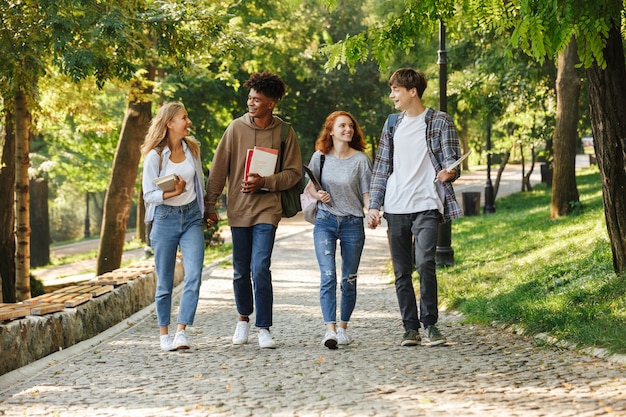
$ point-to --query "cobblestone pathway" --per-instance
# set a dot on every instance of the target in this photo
(481, 371)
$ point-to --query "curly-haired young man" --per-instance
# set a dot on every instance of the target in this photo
(253, 204)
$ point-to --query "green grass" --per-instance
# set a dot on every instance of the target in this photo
(64, 260)
(211, 253)
(215, 253)
(517, 266)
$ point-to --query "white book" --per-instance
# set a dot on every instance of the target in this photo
(262, 161)
(166, 182)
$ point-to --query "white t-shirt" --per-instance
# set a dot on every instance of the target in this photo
(411, 187)
(185, 171)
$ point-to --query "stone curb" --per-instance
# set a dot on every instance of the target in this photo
(26, 340)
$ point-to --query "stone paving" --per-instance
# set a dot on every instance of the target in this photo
(481, 371)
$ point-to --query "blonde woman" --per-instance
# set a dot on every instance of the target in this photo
(176, 216)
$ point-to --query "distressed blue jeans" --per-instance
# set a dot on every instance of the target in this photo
(252, 254)
(350, 233)
(175, 226)
(413, 240)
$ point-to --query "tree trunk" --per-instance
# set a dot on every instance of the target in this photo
(22, 197)
(521, 151)
(87, 225)
(141, 214)
(527, 184)
(607, 104)
(39, 223)
(564, 190)
(7, 209)
(97, 200)
(505, 160)
(117, 202)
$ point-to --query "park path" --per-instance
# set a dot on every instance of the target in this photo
(80, 271)
(481, 371)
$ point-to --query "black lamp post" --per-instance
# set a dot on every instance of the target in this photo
(489, 197)
(444, 254)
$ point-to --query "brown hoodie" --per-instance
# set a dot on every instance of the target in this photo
(245, 210)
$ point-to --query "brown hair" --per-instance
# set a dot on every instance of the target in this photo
(409, 78)
(324, 142)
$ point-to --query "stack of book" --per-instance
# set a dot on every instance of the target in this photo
(260, 161)
(167, 182)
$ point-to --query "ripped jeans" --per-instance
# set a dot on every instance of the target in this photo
(350, 232)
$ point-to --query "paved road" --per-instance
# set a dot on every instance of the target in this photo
(481, 371)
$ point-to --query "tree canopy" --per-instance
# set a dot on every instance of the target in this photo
(76, 63)
(542, 30)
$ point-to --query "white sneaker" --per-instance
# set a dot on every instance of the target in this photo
(166, 343)
(330, 340)
(241, 333)
(180, 341)
(342, 336)
(265, 339)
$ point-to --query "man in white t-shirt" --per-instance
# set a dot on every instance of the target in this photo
(411, 182)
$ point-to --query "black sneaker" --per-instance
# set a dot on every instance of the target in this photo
(433, 337)
(411, 338)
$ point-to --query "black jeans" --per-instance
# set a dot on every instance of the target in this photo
(413, 240)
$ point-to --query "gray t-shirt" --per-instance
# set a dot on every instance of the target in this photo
(346, 180)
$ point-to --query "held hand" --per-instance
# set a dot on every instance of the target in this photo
(373, 218)
(211, 218)
(445, 175)
(323, 196)
(180, 185)
(254, 183)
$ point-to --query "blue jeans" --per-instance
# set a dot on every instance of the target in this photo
(351, 235)
(174, 226)
(252, 254)
(413, 238)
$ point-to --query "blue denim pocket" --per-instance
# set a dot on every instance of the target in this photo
(162, 212)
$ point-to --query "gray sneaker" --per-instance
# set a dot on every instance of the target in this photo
(433, 337)
(411, 338)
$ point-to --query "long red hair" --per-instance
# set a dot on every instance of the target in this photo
(324, 142)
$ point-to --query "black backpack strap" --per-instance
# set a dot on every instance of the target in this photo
(392, 119)
(284, 132)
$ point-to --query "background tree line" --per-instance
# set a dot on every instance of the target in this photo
(80, 81)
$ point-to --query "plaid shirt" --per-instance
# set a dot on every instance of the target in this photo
(443, 149)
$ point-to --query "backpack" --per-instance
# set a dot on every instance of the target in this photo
(290, 199)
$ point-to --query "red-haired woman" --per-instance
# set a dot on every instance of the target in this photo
(345, 177)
